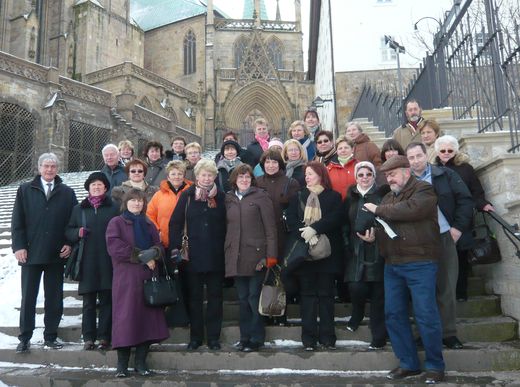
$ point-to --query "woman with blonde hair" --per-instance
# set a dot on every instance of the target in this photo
(295, 158)
(300, 132)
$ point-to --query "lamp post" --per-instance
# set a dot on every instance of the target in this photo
(318, 101)
(398, 50)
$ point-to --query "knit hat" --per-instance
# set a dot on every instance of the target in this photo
(275, 142)
(394, 163)
(97, 176)
(364, 164)
(232, 143)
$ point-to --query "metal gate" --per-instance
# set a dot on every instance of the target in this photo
(85, 144)
(16, 142)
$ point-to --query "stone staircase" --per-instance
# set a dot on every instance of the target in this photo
(491, 354)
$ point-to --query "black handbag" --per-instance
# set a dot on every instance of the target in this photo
(73, 266)
(160, 290)
(296, 252)
(486, 250)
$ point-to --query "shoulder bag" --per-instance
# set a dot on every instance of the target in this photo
(485, 250)
(185, 250)
(160, 290)
(272, 297)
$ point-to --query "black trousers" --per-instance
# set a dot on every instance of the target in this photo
(214, 310)
(317, 292)
(360, 292)
(464, 270)
(53, 288)
(90, 330)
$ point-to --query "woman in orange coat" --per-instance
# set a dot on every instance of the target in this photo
(163, 202)
(341, 167)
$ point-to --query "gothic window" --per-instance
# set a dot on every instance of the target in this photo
(189, 53)
(275, 51)
(240, 50)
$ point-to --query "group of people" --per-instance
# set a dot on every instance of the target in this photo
(236, 216)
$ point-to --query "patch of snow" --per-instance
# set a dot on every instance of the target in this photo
(282, 371)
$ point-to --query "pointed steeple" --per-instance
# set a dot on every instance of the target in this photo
(278, 17)
(249, 10)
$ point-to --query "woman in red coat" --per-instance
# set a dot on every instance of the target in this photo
(341, 167)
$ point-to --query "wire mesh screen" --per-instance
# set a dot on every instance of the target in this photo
(85, 144)
(16, 142)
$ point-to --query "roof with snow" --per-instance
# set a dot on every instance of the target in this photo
(151, 14)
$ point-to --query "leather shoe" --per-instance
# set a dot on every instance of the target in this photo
(23, 346)
(251, 347)
(214, 345)
(241, 344)
(48, 344)
(104, 345)
(401, 373)
(89, 345)
(452, 342)
(377, 345)
(193, 345)
(433, 376)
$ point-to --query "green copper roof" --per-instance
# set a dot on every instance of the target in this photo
(150, 14)
(249, 6)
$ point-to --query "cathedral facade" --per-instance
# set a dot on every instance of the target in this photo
(146, 69)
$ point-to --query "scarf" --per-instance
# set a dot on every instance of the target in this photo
(362, 191)
(263, 141)
(325, 157)
(344, 160)
(229, 165)
(292, 165)
(312, 211)
(142, 237)
(95, 201)
(240, 195)
(141, 185)
(313, 130)
(203, 194)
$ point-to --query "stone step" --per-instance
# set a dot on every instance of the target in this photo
(476, 357)
(31, 375)
(494, 329)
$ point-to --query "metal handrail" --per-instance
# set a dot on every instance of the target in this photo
(510, 230)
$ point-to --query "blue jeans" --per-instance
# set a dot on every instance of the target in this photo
(418, 280)
(251, 322)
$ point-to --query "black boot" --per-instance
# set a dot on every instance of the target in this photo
(141, 352)
(123, 355)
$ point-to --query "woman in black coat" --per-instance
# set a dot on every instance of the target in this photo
(308, 218)
(203, 209)
(448, 155)
(96, 265)
(365, 267)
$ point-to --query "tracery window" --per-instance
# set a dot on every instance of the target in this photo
(240, 50)
(275, 51)
(190, 43)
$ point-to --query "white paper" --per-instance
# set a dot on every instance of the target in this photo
(391, 233)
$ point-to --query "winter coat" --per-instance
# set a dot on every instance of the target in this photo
(342, 176)
(299, 175)
(115, 176)
(412, 214)
(156, 172)
(160, 208)
(133, 322)
(329, 224)
(38, 225)
(250, 233)
(96, 264)
(190, 172)
(366, 150)
(120, 191)
(406, 133)
(363, 260)
(206, 232)
(280, 189)
(455, 203)
(171, 155)
(253, 153)
(224, 172)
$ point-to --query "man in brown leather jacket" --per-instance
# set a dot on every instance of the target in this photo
(410, 269)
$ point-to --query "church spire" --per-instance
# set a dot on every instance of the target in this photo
(249, 10)
(278, 18)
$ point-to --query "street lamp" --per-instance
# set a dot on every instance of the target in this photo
(426, 17)
(398, 50)
(318, 101)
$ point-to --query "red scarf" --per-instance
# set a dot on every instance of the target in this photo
(263, 141)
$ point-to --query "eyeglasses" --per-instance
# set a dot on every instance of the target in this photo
(244, 177)
(446, 150)
(323, 141)
(136, 171)
(368, 174)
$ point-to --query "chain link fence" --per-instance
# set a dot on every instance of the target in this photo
(85, 144)
(16, 142)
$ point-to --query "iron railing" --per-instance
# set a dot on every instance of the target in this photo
(474, 69)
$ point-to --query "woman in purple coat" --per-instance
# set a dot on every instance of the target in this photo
(131, 240)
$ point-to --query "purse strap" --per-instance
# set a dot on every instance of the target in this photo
(276, 276)
(185, 230)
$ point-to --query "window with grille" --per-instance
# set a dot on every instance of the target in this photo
(85, 144)
(240, 50)
(16, 142)
(275, 50)
(189, 53)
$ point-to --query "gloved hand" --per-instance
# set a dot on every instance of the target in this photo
(83, 232)
(313, 240)
(147, 255)
(271, 261)
(307, 233)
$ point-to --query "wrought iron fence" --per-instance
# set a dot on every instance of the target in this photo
(474, 69)
(16, 142)
(85, 144)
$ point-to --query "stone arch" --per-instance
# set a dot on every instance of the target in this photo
(262, 97)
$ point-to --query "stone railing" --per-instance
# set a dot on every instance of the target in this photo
(128, 68)
(85, 92)
(283, 75)
(150, 118)
(24, 68)
(187, 134)
(249, 24)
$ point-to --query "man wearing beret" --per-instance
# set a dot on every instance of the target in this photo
(455, 213)
(410, 269)
(41, 210)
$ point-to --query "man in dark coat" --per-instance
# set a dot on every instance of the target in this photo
(455, 215)
(40, 214)
(113, 168)
(258, 145)
(410, 269)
